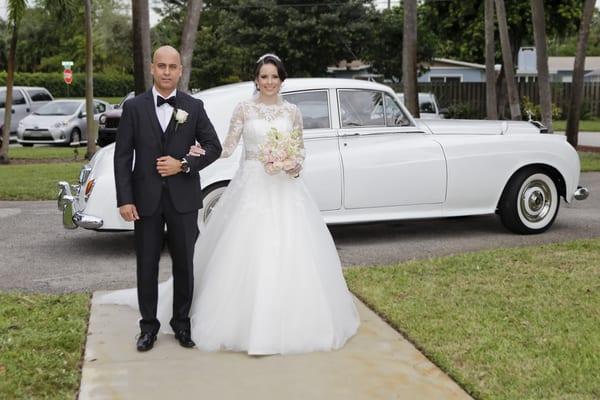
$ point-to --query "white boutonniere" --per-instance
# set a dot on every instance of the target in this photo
(181, 116)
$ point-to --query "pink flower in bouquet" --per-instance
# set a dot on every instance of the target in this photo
(281, 152)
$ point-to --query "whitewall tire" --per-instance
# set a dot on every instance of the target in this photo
(530, 202)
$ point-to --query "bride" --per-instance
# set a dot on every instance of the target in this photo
(268, 279)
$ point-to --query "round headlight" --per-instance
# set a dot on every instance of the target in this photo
(102, 119)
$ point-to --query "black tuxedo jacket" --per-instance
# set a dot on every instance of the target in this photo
(137, 180)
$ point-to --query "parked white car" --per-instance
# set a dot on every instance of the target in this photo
(369, 160)
(428, 105)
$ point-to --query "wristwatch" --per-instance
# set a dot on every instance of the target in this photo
(185, 167)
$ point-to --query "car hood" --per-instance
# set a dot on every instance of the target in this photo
(115, 113)
(476, 127)
(44, 120)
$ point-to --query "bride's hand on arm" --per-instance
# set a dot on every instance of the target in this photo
(196, 151)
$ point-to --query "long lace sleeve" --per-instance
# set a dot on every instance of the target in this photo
(298, 126)
(236, 127)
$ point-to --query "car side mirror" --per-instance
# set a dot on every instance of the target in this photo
(82, 115)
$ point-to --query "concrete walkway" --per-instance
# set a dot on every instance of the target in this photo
(587, 139)
(378, 363)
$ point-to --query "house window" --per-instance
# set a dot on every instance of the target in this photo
(445, 79)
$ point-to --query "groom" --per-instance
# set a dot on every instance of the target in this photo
(158, 185)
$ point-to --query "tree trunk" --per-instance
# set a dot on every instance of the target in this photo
(141, 45)
(507, 60)
(92, 128)
(188, 40)
(491, 104)
(501, 92)
(409, 57)
(10, 77)
(541, 47)
(578, 70)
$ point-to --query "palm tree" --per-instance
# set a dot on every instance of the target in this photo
(578, 69)
(16, 8)
(539, 35)
(507, 61)
(89, 83)
(491, 104)
(409, 57)
(188, 39)
(140, 12)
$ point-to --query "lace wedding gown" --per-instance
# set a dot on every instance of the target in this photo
(268, 278)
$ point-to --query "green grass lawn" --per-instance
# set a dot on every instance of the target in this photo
(506, 324)
(35, 181)
(591, 125)
(45, 153)
(42, 338)
(589, 161)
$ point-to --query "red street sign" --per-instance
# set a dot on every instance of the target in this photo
(68, 76)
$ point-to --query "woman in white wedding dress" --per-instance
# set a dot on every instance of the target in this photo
(268, 279)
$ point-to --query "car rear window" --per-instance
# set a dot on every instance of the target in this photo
(39, 95)
(314, 107)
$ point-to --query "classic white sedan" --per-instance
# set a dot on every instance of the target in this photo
(369, 160)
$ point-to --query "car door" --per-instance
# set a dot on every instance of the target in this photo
(20, 109)
(322, 167)
(386, 160)
(38, 97)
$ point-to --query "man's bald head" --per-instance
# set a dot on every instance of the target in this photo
(166, 69)
(165, 50)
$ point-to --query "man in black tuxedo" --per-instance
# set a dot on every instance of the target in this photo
(160, 185)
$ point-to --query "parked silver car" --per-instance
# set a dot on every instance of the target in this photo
(26, 99)
(58, 122)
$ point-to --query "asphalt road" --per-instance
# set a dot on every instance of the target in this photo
(37, 254)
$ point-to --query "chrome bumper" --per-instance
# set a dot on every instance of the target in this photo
(73, 218)
(581, 193)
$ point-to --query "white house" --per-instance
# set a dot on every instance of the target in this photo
(446, 70)
(560, 68)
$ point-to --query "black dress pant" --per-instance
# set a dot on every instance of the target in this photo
(181, 235)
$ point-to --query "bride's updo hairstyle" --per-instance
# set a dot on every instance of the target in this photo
(270, 58)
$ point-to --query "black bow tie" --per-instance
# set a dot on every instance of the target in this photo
(170, 101)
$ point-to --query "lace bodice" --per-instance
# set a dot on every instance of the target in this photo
(251, 120)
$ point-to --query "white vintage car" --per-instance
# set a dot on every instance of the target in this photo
(369, 160)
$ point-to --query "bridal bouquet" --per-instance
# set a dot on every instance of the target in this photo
(281, 152)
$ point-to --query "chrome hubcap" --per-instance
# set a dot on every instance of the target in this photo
(536, 201)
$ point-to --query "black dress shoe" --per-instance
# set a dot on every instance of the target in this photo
(146, 341)
(184, 338)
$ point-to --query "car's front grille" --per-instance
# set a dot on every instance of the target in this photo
(111, 123)
(37, 134)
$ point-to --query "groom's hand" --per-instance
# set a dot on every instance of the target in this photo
(167, 166)
(129, 212)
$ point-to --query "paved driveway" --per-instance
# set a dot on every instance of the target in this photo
(36, 253)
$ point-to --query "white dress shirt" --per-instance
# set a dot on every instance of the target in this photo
(165, 111)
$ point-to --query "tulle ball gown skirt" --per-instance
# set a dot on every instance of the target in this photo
(268, 276)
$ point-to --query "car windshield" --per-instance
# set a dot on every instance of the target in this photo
(59, 108)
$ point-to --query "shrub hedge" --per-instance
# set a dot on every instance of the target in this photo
(105, 85)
